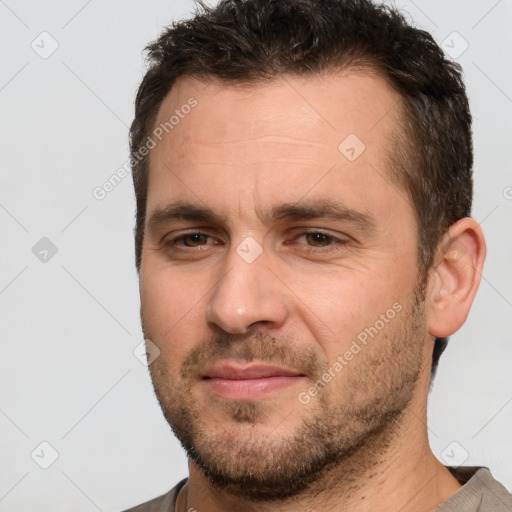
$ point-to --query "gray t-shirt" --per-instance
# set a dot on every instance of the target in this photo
(480, 492)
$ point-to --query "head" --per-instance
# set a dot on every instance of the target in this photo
(342, 254)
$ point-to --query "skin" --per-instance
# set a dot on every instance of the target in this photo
(241, 152)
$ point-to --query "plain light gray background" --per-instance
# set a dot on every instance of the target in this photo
(70, 323)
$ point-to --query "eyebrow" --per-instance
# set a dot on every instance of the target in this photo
(299, 211)
(181, 210)
(322, 209)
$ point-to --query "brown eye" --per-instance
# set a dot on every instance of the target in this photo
(318, 239)
(194, 239)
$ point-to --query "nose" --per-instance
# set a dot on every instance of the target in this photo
(248, 293)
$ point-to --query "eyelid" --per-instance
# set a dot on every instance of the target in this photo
(337, 242)
(171, 240)
(307, 231)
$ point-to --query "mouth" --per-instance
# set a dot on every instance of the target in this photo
(249, 381)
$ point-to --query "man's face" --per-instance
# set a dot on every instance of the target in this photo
(279, 278)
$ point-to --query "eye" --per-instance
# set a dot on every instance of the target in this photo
(192, 240)
(317, 239)
(317, 243)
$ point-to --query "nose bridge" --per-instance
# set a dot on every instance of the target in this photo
(248, 292)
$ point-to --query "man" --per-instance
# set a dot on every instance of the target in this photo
(303, 180)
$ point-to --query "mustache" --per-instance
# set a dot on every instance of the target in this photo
(253, 347)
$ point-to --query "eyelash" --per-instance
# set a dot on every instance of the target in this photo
(333, 241)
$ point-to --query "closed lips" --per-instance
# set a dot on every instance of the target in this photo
(254, 371)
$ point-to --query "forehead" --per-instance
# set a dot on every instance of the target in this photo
(218, 141)
(320, 104)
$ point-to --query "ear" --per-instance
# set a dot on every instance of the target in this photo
(455, 277)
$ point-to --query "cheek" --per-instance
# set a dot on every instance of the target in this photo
(339, 306)
(171, 312)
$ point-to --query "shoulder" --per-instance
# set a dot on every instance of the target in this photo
(480, 492)
(495, 496)
(163, 503)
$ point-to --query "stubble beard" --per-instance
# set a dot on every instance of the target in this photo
(354, 419)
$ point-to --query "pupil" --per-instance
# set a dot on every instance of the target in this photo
(194, 239)
(318, 238)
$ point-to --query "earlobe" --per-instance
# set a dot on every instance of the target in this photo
(454, 280)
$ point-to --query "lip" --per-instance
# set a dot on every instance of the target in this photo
(238, 371)
(249, 381)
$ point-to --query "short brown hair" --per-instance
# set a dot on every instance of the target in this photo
(246, 41)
